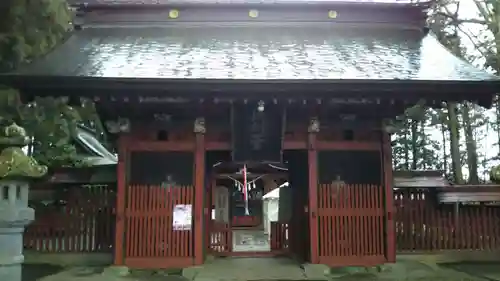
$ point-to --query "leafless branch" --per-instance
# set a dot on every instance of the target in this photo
(484, 10)
(456, 20)
(460, 28)
(473, 41)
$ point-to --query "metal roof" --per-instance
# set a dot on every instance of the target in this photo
(264, 49)
(322, 51)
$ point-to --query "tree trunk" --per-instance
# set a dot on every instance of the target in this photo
(454, 143)
(414, 144)
(423, 142)
(406, 147)
(472, 161)
(443, 135)
(497, 107)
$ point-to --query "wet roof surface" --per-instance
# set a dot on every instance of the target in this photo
(255, 53)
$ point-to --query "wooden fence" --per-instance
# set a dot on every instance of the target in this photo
(424, 225)
(152, 238)
(82, 219)
(73, 219)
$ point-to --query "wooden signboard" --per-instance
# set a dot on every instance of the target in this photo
(257, 132)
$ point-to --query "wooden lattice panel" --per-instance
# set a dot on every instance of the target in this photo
(151, 239)
(351, 222)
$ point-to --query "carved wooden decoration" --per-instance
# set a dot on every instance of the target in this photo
(313, 125)
(120, 125)
(199, 126)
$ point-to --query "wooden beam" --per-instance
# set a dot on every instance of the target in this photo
(302, 144)
(275, 175)
(348, 145)
(218, 145)
(226, 145)
(294, 144)
(159, 146)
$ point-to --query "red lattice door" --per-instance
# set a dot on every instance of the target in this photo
(351, 225)
(153, 239)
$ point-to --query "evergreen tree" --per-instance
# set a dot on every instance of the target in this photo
(28, 30)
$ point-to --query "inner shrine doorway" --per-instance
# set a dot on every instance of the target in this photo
(265, 226)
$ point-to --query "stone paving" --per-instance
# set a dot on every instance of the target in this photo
(250, 269)
(268, 269)
(402, 271)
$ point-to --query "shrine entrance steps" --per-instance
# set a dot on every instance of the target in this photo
(236, 268)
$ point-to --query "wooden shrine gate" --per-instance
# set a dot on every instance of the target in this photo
(157, 182)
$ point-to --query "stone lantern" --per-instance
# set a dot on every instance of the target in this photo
(16, 171)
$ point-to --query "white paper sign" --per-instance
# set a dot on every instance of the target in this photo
(182, 217)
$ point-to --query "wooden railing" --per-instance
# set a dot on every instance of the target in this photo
(423, 224)
(279, 236)
(78, 219)
(221, 238)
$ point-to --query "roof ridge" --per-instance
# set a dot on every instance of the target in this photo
(167, 3)
(286, 11)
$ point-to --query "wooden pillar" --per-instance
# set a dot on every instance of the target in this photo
(121, 188)
(389, 196)
(312, 158)
(209, 202)
(199, 185)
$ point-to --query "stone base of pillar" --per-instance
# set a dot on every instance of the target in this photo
(13, 219)
(11, 268)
